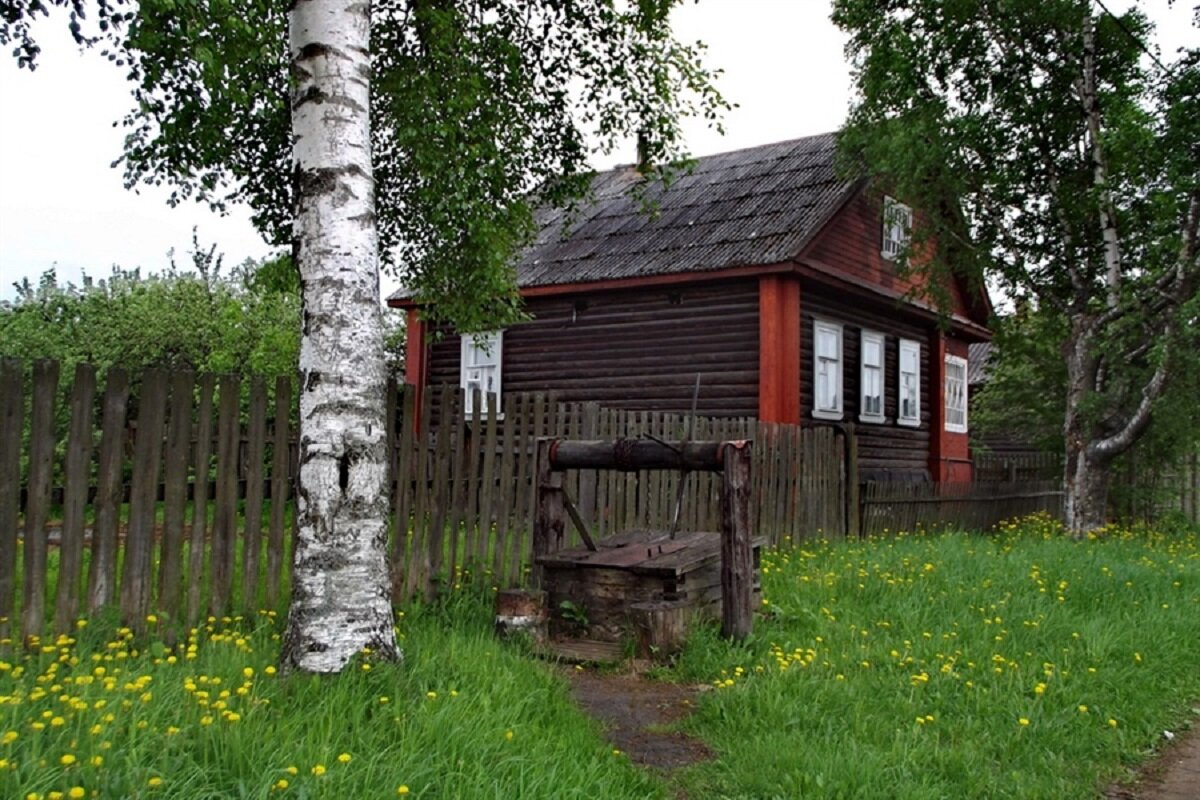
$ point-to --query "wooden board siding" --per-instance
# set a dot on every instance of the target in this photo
(852, 243)
(884, 449)
(633, 349)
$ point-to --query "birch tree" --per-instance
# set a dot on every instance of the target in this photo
(465, 116)
(1054, 155)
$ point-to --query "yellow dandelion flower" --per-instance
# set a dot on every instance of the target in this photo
(67, 760)
(1023, 722)
(402, 789)
(281, 784)
(318, 770)
(96, 761)
(1112, 723)
(292, 770)
(508, 735)
(154, 782)
(76, 792)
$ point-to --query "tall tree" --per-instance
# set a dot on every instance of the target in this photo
(1053, 155)
(465, 116)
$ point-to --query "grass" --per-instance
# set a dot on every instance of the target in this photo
(1020, 664)
(463, 716)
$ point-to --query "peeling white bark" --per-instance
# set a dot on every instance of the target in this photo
(341, 600)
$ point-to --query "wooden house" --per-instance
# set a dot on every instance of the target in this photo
(764, 271)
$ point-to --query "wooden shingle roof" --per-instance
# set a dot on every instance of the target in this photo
(742, 208)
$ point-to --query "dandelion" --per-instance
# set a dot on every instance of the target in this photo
(292, 770)
(508, 735)
(67, 760)
(431, 695)
(1112, 723)
(1023, 722)
(76, 792)
(96, 761)
(248, 672)
(154, 782)
(1083, 709)
(402, 789)
(344, 758)
(318, 770)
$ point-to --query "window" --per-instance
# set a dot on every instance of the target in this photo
(910, 383)
(827, 370)
(897, 223)
(871, 404)
(480, 367)
(956, 394)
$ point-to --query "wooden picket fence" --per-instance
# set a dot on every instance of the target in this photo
(176, 502)
(893, 507)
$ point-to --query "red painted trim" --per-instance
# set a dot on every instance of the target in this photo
(937, 400)
(415, 359)
(779, 349)
(677, 279)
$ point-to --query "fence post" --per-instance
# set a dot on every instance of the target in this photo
(143, 493)
(549, 522)
(853, 501)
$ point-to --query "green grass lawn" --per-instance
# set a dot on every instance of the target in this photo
(1020, 664)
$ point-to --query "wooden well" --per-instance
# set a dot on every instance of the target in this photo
(637, 579)
(645, 583)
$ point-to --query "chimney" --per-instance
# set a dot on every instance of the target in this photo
(643, 151)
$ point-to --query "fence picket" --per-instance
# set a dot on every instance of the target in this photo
(256, 443)
(12, 420)
(75, 491)
(200, 496)
(224, 533)
(279, 488)
(179, 434)
(37, 504)
(138, 566)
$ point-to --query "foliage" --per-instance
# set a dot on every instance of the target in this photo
(1050, 155)
(1012, 665)
(199, 320)
(209, 717)
(481, 110)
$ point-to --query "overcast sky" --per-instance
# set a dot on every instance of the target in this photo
(63, 206)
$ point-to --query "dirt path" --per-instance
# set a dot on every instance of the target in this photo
(1175, 775)
(636, 714)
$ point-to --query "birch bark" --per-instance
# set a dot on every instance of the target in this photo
(341, 600)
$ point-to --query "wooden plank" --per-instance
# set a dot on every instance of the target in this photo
(175, 478)
(279, 488)
(225, 511)
(441, 488)
(487, 487)
(737, 552)
(102, 570)
(504, 492)
(12, 421)
(522, 444)
(256, 445)
(417, 573)
(76, 478)
(473, 526)
(403, 460)
(200, 496)
(37, 504)
(137, 574)
(457, 490)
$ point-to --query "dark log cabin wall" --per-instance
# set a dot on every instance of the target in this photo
(886, 450)
(634, 349)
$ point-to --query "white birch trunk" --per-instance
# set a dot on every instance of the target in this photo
(341, 600)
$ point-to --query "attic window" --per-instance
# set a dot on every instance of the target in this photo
(897, 227)
(480, 368)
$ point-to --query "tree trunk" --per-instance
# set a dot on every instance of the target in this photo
(341, 600)
(1085, 474)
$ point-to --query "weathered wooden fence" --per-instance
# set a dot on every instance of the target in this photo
(893, 507)
(173, 502)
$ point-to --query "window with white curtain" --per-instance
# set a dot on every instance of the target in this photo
(871, 379)
(480, 367)
(827, 370)
(909, 384)
(956, 394)
(897, 227)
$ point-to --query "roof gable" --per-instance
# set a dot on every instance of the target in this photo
(742, 208)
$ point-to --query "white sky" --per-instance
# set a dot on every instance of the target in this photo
(63, 206)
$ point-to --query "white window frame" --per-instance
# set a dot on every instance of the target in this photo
(955, 396)
(480, 362)
(908, 348)
(897, 228)
(834, 410)
(868, 370)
